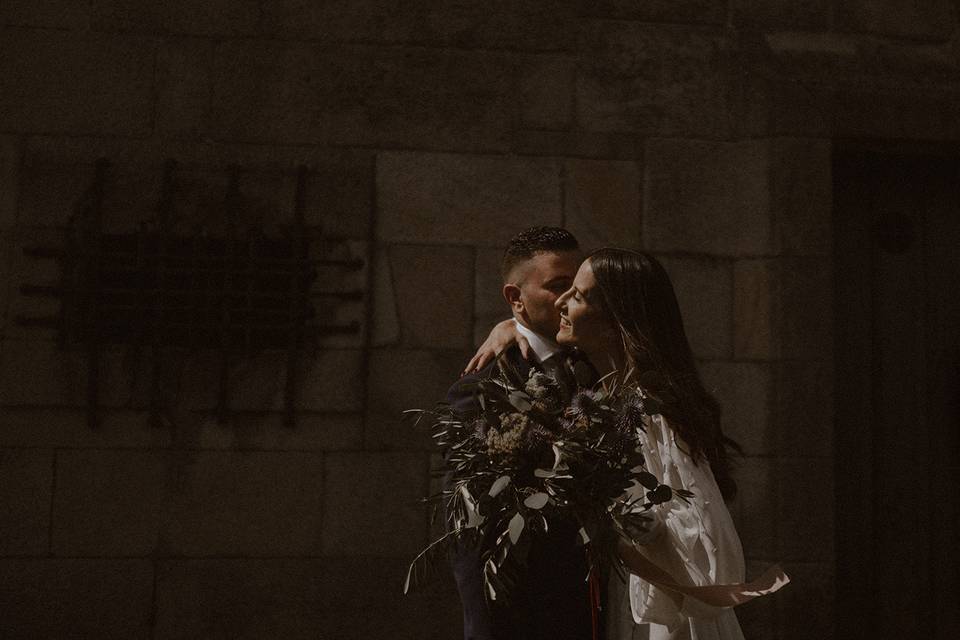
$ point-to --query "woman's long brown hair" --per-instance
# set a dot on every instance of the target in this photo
(636, 292)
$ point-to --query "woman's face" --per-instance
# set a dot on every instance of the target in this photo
(583, 322)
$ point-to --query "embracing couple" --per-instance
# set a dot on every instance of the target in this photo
(612, 311)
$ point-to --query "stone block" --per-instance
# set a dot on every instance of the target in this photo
(372, 504)
(433, 289)
(755, 508)
(108, 503)
(702, 287)
(525, 25)
(312, 432)
(253, 503)
(337, 200)
(57, 14)
(266, 196)
(805, 503)
(386, 315)
(7, 290)
(676, 11)
(746, 392)
(356, 598)
(50, 190)
(431, 611)
(758, 618)
(332, 381)
(804, 410)
(76, 598)
(547, 86)
(402, 379)
(756, 308)
(707, 197)
(489, 304)
(55, 182)
(802, 196)
(249, 598)
(328, 380)
(46, 426)
(602, 203)
(806, 303)
(75, 82)
(183, 84)
(22, 270)
(784, 308)
(654, 80)
(9, 180)
(300, 93)
(37, 372)
(339, 195)
(194, 17)
(783, 14)
(933, 20)
(773, 102)
(479, 200)
(578, 144)
(26, 477)
(918, 63)
(812, 588)
(917, 111)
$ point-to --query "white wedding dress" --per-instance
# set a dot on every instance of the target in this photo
(696, 543)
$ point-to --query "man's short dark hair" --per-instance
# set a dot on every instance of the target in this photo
(534, 240)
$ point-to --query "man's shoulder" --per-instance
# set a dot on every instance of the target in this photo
(463, 391)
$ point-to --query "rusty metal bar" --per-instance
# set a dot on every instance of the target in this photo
(248, 294)
(53, 322)
(297, 303)
(90, 221)
(155, 287)
(230, 204)
(56, 291)
(189, 262)
(164, 215)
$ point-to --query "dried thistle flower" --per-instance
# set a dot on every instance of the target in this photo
(509, 437)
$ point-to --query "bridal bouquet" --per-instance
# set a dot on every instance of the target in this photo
(540, 449)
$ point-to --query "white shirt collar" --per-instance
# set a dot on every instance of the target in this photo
(544, 348)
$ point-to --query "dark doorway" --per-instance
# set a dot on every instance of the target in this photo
(897, 265)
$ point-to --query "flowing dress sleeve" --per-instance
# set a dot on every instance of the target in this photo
(695, 542)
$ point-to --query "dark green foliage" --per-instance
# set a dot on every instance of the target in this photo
(540, 450)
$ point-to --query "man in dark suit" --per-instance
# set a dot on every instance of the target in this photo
(552, 601)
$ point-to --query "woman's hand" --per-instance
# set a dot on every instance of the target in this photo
(501, 337)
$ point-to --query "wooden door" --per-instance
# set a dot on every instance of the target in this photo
(897, 265)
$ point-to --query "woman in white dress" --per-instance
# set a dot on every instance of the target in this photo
(623, 314)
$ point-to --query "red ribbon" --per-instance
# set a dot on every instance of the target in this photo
(594, 597)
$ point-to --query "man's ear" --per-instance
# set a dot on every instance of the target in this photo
(511, 293)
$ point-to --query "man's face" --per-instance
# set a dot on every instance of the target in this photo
(541, 280)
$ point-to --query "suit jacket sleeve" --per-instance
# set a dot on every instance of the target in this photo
(465, 559)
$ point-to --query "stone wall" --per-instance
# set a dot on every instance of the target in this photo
(700, 130)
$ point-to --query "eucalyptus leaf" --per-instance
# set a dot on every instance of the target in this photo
(536, 501)
(499, 485)
(520, 401)
(648, 480)
(516, 527)
(661, 494)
